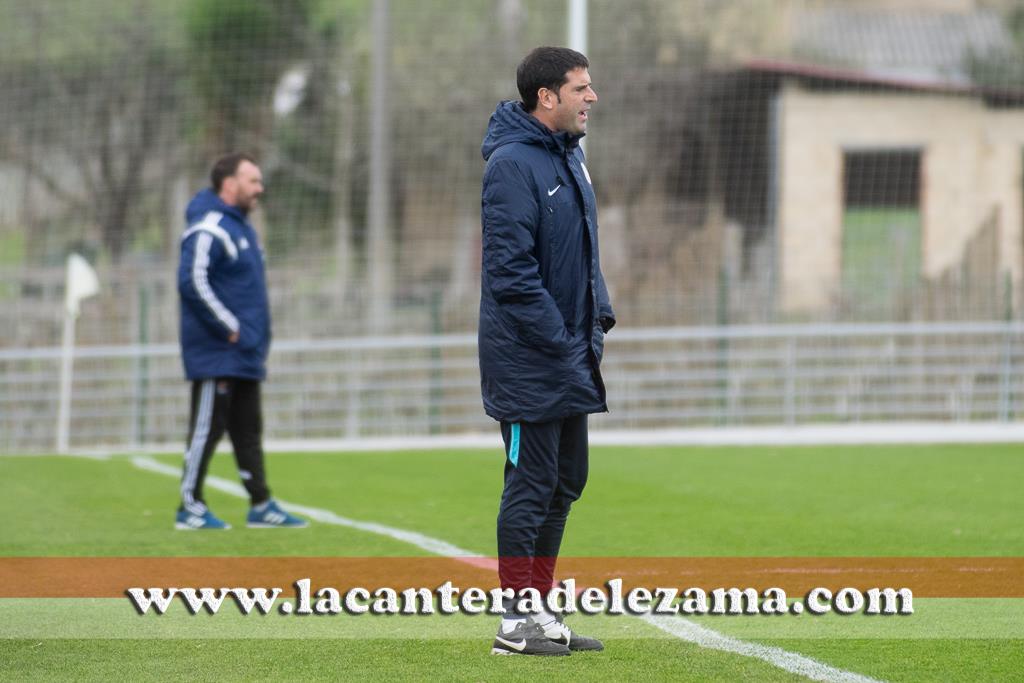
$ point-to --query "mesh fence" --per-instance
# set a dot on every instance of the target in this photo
(323, 391)
(754, 161)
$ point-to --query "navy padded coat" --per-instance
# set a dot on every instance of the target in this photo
(544, 307)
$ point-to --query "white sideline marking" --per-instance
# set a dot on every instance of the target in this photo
(783, 659)
(97, 456)
(854, 434)
(673, 625)
(432, 545)
(860, 433)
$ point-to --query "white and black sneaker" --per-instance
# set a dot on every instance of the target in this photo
(557, 632)
(527, 638)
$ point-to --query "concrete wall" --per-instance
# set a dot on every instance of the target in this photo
(971, 166)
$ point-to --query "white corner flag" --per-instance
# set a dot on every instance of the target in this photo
(81, 283)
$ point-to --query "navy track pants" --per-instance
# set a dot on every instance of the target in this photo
(545, 471)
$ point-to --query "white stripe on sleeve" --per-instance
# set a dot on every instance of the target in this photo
(201, 282)
(211, 224)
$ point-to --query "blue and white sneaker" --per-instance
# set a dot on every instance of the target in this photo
(269, 515)
(188, 521)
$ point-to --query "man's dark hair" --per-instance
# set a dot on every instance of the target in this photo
(546, 67)
(227, 166)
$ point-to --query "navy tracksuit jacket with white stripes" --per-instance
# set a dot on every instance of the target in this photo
(223, 291)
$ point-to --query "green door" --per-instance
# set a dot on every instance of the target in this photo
(881, 261)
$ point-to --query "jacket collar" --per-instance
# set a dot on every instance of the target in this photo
(511, 123)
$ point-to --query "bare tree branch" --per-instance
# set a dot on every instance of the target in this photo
(54, 186)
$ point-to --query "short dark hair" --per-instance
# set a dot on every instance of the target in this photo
(227, 166)
(546, 67)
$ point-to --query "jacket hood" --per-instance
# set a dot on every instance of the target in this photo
(207, 200)
(511, 123)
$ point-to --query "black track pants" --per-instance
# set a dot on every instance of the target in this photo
(218, 405)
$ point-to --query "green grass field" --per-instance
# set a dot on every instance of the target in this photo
(927, 501)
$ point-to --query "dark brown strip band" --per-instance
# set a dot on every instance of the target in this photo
(939, 577)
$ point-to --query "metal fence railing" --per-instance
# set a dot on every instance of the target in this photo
(127, 396)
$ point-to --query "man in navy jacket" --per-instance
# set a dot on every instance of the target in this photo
(225, 338)
(544, 311)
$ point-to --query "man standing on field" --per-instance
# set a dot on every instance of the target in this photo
(225, 338)
(544, 311)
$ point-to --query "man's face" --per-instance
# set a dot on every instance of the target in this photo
(245, 187)
(573, 102)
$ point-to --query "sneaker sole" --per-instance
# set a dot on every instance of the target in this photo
(260, 525)
(500, 651)
(587, 649)
(181, 526)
